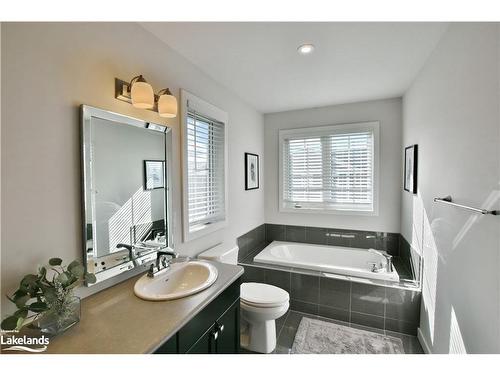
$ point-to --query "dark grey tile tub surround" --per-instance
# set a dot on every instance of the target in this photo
(377, 306)
(410, 257)
(252, 242)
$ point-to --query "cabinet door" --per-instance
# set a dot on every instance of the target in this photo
(228, 327)
(223, 337)
(206, 343)
(170, 347)
(205, 319)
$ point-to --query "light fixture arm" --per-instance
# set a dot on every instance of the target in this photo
(164, 91)
(138, 78)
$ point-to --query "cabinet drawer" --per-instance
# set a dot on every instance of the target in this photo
(204, 320)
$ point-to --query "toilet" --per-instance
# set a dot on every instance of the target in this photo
(261, 304)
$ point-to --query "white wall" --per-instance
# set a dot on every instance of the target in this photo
(452, 112)
(49, 69)
(388, 112)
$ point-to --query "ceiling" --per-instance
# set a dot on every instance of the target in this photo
(259, 61)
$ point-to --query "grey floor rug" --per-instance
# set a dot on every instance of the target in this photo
(320, 337)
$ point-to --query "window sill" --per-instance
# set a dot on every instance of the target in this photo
(203, 230)
(323, 211)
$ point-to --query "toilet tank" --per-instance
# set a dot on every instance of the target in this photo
(221, 253)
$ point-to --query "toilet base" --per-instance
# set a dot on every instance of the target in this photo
(259, 337)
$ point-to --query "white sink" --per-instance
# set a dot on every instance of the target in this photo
(180, 280)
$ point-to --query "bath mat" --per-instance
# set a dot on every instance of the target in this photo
(320, 337)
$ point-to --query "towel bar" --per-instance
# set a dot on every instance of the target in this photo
(449, 200)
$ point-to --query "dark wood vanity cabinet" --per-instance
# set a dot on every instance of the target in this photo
(215, 329)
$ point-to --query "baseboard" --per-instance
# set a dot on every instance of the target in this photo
(423, 343)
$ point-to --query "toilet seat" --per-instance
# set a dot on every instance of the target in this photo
(263, 295)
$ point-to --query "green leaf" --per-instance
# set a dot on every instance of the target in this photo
(55, 261)
(38, 307)
(90, 278)
(21, 313)
(42, 272)
(30, 285)
(29, 281)
(77, 271)
(74, 263)
(10, 323)
(21, 301)
(63, 278)
(17, 294)
(23, 288)
(50, 294)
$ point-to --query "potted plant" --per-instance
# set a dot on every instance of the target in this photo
(48, 297)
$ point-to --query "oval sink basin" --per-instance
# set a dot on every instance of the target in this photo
(180, 280)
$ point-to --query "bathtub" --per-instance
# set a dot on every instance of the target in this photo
(338, 260)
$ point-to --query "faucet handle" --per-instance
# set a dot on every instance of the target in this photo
(374, 266)
(151, 271)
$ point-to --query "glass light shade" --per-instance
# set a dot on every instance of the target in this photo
(142, 95)
(167, 106)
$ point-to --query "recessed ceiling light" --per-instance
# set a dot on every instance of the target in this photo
(305, 49)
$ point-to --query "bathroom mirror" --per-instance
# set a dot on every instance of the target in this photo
(125, 167)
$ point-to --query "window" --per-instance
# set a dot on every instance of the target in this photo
(330, 169)
(204, 139)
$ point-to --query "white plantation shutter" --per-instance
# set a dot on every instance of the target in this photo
(329, 168)
(205, 170)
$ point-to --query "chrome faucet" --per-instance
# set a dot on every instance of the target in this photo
(130, 250)
(162, 262)
(133, 254)
(388, 258)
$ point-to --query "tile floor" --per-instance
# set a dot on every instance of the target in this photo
(287, 325)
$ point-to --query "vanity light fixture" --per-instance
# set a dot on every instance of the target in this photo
(167, 104)
(305, 49)
(140, 94)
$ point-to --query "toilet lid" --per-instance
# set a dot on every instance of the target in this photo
(263, 294)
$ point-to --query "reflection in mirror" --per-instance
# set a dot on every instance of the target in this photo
(126, 165)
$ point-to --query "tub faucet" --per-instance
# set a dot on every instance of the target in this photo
(388, 258)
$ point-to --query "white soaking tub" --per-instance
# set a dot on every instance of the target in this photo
(339, 260)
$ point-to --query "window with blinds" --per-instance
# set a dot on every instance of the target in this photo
(205, 171)
(329, 168)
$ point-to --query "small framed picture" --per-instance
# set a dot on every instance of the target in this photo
(411, 164)
(154, 174)
(251, 171)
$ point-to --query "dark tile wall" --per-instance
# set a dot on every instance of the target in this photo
(252, 242)
(378, 306)
(410, 257)
(334, 237)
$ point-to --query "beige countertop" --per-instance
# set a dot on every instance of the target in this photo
(116, 321)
